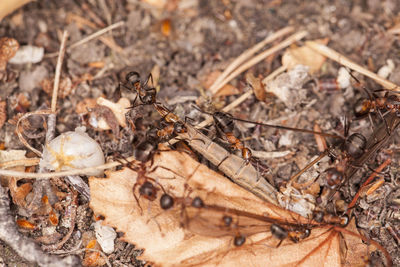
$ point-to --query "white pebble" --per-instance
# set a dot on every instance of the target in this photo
(105, 235)
(28, 54)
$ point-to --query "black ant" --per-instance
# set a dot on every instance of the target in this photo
(224, 123)
(146, 94)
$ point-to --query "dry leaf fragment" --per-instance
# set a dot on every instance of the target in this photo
(85, 105)
(7, 7)
(3, 113)
(26, 224)
(166, 243)
(119, 109)
(288, 86)
(226, 90)
(256, 84)
(304, 56)
(8, 48)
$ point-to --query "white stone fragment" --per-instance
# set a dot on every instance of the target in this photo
(72, 150)
(28, 54)
(343, 78)
(387, 69)
(105, 235)
(288, 86)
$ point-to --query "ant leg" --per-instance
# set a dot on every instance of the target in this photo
(150, 77)
(137, 199)
(385, 121)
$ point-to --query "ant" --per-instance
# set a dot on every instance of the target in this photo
(225, 126)
(389, 103)
(148, 186)
(146, 94)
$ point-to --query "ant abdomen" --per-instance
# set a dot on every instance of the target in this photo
(166, 202)
(144, 151)
(355, 145)
(278, 232)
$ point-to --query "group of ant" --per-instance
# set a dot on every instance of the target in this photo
(352, 147)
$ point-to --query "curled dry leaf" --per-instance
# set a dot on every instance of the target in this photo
(8, 48)
(200, 241)
(304, 56)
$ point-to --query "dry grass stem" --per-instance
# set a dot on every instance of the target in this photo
(256, 59)
(332, 54)
(91, 37)
(60, 59)
(242, 98)
(21, 162)
(246, 55)
(49, 175)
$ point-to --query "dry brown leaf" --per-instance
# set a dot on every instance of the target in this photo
(166, 243)
(8, 6)
(85, 105)
(304, 56)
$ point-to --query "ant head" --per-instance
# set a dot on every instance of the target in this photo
(132, 77)
(179, 127)
(197, 202)
(239, 240)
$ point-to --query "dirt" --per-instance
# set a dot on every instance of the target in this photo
(204, 36)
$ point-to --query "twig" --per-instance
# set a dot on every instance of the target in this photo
(51, 122)
(25, 247)
(91, 37)
(332, 54)
(370, 178)
(21, 162)
(49, 175)
(288, 41)
(245, 55)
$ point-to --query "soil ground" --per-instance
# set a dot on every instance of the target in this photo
(205, 36)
